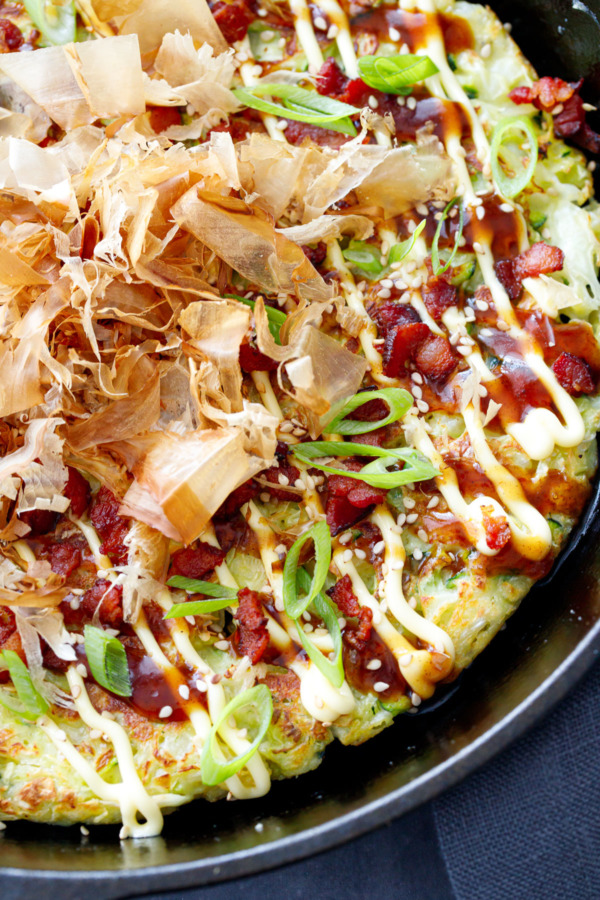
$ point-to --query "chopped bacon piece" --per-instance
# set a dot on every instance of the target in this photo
(196, 562)
(539, 259)
(112, 528)
(233, 19)
(330, 79)
(569, 122)
(162, 117)
(438, 296)
(497, 530)
(65, 557)
(8, 624)
(41, 521)
(272, 476)
(11, 38)
(296, 132)
(346, 601)
(77, 490)
(390, 315)
(434, 358)
(252, 360)
(400, 344)
(574, 374)
(348, 501)
(242, 494)
(546, 93)
(110, 599)
(252, 636)
(316, 255)
(357, 93)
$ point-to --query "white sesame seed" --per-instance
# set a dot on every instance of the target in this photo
(401, 101)
(190, 620)
(386, 283)
(201, 686)
(347, 555)
(319, 703)
(165, 712)
(184, 691)
(464, 351)
(85, 832)
(380, 686)
(418, 554)
(262, 13)
(557, 109)
(422, 535)
(379, 547)
(592, 165)
(409, 503)
(501, 325)
(401, 520)
(422, 406)
(477, 247)
(321, 23)
(480, 212)
(374, 664)
(415, 699)
(345, 537)
(285, 427)
(280, 548)
(283, 479)
(406, 659)
(279, 604)
(267, 36)
(342, 623)
(482, 305)
(373, 101)
(310, 482)
(222, 645)
(589, 107)
(411, 103)
(506, 207)
(333, 32)
(412, 602)
(394, 34)
(307, 628)
(360, 554)
(265, 497)
(259, 827)
(411, 518)
(416, 391)
(485, 51)
(433, 502)
(417, 377)
(76, 691)
(81, 670)
(385, 294)
(95, 734)
(306, 616)
(281, 43)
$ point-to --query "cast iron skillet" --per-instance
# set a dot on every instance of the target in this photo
(546, 647)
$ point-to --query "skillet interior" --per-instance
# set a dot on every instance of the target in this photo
(546, 646)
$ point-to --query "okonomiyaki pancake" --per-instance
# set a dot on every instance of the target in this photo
(298, 381)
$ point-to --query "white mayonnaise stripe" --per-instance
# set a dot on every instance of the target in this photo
(319, 697)
(535, 540)
(343, 37)
(306, 35)
(264, 387)
(409, 618)
(133, 796)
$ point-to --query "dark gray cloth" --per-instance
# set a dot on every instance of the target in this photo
(525, 827)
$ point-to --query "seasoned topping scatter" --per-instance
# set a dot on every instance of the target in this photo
(300, 381)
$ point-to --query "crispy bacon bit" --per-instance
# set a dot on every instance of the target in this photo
(569, 122)
(196, 562)
(391, 315)
(348, 501)
(539, 259)
(434, 358)
(8, 624)
(346, 601)
(65, 557)
(296, 132)
(272, 476)
(330, 79)
(252, 636)
(497, 530)
(110, 599)
(316, 255)
(252, 360)
(371, 411)
(400, 344)
(438, 296)
(162, 117)
(573, 374)
(112, 528)
(546, 93)
(233, 19)
(41, 521)
(77, 490)
(11, 38)
(242, 494)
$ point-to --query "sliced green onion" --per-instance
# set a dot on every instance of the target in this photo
(215, 770)
(395, 74)
(320, 534)
(31, 703)
(437, 264)
(275, 317)
(507, 186)
(56, 21)
(107, 660)
(300, 105)
(365, 257)
(195, 586)
(332, 669)
(398, 401)
(375, 473)
(401, 251)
